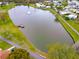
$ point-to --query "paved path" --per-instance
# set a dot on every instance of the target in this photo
(35, 55)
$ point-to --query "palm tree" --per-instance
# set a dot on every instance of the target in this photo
(77, 19)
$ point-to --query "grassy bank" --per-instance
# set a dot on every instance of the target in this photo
(7, 7)
(69, 30)
(11, 32)
(32, 5)
(74, 24)
(4, 45)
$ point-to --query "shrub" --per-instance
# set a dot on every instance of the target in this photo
(19, 54)
(59, 51)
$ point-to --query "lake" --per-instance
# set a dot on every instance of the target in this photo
(40, 27)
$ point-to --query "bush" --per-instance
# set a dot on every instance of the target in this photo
(67, 18)
(19, 54)
(59, 7)
(59, 51)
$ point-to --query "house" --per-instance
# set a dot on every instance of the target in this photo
(0, 3)
(72, 16)
(77, 11)
(47, 3)
(48, 6)
(57, 3)
(68, 14)
(77, 7)
(73, 10)
(3, 3)
(40, 5)
(64, 12)
(73, 4)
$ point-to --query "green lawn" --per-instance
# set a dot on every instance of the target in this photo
(32, 5)
(7, 7)
(74, 24)
(4, 45)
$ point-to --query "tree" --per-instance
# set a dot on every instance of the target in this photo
(59, 51)
(77, 19)
(65, 3)
(19, 54)
(51, 5)
(59, 8)
(3, 16)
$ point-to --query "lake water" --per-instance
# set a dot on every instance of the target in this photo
(40, 26)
